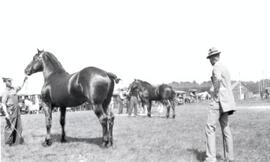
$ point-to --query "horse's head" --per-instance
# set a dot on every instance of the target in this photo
(36, 64)
(165, 91)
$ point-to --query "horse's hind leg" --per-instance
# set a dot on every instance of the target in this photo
(110, 124)
(103, 119)
(109, 113)
(110, 121)
(62, 122)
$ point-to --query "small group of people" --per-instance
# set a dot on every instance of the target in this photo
(32, 105)
(130, 101)
(220, 109)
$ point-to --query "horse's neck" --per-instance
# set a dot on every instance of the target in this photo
(51, 68)
(47, 73)
(150, 88)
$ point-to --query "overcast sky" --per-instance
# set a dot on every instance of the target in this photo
(156, 41)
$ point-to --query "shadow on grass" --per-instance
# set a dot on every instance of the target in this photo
(201, 155)
(155, 117)
(96, 141)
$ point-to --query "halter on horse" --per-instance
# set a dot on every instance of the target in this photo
(61, 89)
(148, 93)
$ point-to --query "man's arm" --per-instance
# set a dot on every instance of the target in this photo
(216, 80)
(17, 89)
(4, 101)
(20, 87)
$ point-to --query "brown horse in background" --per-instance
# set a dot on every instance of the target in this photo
(61, 89)
(148, 93)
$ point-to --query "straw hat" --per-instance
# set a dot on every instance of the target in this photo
(212, 52)
(6, 79)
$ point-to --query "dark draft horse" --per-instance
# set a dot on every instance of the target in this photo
(61, 89)
(148, 93)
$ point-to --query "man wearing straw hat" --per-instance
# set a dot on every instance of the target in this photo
(220, 109)
(13, 127)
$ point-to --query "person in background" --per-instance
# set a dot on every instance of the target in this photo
(28, 103)
(13, 127)
(221, 108)
(121, 99)
(133, 103)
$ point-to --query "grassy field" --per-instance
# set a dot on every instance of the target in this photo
(141, 138)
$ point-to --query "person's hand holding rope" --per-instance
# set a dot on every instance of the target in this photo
(20, 87)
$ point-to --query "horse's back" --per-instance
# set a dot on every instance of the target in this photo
(93, 70)
(95, 84)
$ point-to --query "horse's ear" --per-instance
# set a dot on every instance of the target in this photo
(40, 51)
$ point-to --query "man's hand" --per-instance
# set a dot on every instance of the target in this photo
(20, 87)
(5, 111)
(25, 78)
(7, 116)
(216, 98)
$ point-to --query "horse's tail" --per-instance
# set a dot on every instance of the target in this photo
(113, 77)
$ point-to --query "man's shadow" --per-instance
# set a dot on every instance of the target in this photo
(201, 155)
(96, 141)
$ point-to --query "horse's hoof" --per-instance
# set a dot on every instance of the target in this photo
(21, 141)
(173, 116)
(149, 115)
(47, 142)
(63, 140)
(167, 116)
(110, 144)
(105, 144)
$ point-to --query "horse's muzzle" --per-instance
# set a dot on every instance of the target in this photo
(27, 72)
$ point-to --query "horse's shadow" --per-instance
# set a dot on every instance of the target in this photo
(201, 155)
(95, 141)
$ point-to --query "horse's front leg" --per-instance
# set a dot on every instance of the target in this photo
(149, 105)
(168, 107)
(48, 120)
(62, 122)
(172, 103)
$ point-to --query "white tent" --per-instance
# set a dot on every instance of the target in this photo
(204, 95)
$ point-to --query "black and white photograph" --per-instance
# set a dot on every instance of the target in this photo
(135, 81)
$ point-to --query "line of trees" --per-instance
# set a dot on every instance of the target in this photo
(254, 87)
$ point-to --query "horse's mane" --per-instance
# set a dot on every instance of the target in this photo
(144, 83)
(53, 60)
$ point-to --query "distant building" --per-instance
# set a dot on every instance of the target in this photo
(241, 91)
